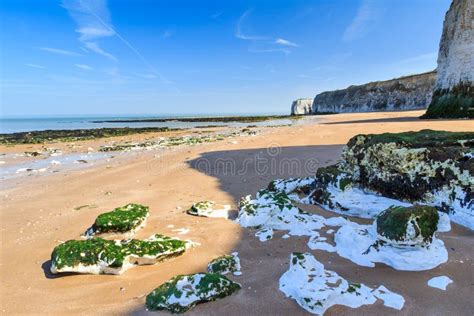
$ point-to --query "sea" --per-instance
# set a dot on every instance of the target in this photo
(27, 124)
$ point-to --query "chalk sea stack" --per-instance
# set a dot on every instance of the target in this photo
(454, 90)
(301, 106)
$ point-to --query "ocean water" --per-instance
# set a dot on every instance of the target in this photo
(14, 125)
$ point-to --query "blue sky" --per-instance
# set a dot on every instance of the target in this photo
(179, 57)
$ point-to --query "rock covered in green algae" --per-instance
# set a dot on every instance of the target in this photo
(298, 189)
(183, 292)
(225, 264)
(209, 209)
(407, 226)
(100, 256)
(36, 137)
(429, 167)
(122, 220)
(408, 165)
(326, 177)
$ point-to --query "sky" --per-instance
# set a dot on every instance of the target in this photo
(176, 57)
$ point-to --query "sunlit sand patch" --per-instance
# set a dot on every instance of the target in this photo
(181, 231)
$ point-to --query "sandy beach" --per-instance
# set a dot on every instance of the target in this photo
(42, 210)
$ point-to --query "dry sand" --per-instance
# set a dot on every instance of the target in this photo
(38, 212)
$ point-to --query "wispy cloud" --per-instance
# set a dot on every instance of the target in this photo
(359, 25)
(284, 42)
(94, 47)
(270, 50)
(217, 14)
(268, 41)
(84, 67)
(94, 21)
(60, 51)
(35, 66)
(147, 76)
(238, 30)
(167, 34)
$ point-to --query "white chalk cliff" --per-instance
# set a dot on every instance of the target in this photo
(454, 90)
(301, 106)
(405, 93)
(456, 49)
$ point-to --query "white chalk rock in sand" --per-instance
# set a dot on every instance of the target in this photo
(316, 289)
(440, 282)
(358, 243)
(209, 209)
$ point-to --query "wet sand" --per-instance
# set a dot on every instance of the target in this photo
(38, 212)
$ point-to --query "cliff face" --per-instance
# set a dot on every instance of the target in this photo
(301, 106)
(456, 49)
(405, 93)
(454, 90)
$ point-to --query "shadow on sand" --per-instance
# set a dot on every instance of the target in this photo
(243, 172)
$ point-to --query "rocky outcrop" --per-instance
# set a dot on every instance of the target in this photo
(301, 106)
(454, 89)
(405, 93)
(182, 292)
(427, 167)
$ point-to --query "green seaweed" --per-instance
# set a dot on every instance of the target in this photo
(330, 175)
(120, 220)
(420, 139)
(353, 287)
(37, 137)
(243, 119)
(112, 253)
(409, 165)
(457, 102)
(333, 174)
(192, 288)
(197, 208)
(223, 265)
(393, 222)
